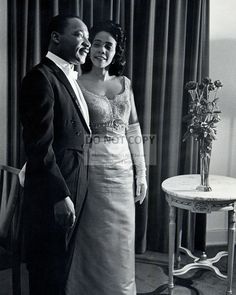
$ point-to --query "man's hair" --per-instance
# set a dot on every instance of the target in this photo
(58, 23)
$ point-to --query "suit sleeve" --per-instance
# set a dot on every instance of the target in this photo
(37, 113)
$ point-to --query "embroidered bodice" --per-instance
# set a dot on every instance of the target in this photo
(109, 114)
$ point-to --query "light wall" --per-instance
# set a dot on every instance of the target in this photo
(223, 67)
(3, 80)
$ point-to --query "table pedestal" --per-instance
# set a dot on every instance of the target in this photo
(179, 199)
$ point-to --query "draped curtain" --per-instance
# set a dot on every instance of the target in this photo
(167, 45)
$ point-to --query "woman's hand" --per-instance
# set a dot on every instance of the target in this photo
(141, 189)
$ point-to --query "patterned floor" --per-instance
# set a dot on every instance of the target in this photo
(152, 278)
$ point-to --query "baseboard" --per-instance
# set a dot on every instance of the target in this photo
(217, 237)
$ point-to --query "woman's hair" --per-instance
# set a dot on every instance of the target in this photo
(117, 66)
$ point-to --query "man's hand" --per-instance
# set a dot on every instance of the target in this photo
(64, 213)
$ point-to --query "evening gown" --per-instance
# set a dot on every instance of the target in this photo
(103, 261)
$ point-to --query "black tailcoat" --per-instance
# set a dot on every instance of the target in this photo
(56, 139)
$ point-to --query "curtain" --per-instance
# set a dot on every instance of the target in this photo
(180, 54)
(167, 45)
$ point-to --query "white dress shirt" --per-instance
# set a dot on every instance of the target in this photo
(68, 70)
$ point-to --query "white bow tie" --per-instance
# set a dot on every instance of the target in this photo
(70, 72)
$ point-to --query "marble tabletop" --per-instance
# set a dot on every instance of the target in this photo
(184, 186)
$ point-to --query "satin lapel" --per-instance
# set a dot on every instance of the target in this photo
(61, 76)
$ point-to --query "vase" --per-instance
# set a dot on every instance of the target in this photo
(204, 168)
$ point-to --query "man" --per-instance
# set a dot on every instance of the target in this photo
(56, 129)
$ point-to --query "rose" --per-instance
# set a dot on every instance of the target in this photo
(206, 80)
(211, 87)
(218, 84)
(191, 85)
(201, 86)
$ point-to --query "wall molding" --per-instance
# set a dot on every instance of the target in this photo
(217, 237)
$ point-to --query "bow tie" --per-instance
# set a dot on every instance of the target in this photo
(70, 72)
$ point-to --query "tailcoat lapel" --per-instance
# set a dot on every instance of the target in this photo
(62, 77)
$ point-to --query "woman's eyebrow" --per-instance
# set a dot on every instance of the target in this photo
(107, 42)
(97, 40)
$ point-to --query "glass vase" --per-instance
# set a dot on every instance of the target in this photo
(204, 168)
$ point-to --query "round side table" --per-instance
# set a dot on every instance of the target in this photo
(181, 193)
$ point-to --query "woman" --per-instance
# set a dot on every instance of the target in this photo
(103, 261)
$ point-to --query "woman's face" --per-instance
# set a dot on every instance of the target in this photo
(103, 49)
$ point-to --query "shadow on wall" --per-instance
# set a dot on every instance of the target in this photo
(223, 67)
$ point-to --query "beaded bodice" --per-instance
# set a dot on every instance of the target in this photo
(109, 115)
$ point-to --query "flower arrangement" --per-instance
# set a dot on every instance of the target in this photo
(203, 113)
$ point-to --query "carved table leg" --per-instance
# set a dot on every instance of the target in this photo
(172, 226)
(231, 239)
(179, 236)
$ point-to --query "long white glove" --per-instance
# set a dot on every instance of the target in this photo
(135, 141)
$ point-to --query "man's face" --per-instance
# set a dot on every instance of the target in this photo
(73, 42)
